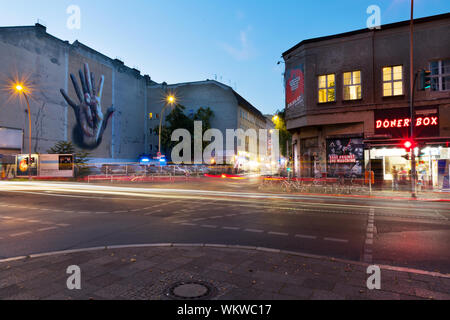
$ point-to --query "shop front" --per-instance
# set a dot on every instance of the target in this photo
(391, 163)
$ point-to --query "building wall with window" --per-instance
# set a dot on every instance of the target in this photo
(230, 110)
(44, 63)
(348, 79)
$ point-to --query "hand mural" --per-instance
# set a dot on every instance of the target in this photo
(91, 123)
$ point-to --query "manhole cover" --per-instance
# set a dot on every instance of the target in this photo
(190, 290)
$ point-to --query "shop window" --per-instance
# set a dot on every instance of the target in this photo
(392, 81)
(352, 85)
(440, 75)
(150, 116)
(327, 88)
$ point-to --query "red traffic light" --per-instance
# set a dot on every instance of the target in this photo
(408, 145)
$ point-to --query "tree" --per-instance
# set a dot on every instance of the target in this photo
(80, 157)
(178, 120)
(285, 135)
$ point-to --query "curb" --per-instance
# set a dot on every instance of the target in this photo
(224, 246)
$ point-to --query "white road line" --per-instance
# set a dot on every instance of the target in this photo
(7, 218)
(188, 224)
(101, 212)
(84, 212)
(216, 217)
(254, 230)
(47, 229)
(64, 225)
(20, 234)
(209, 226)
(120, 211)
(278, 233)
(231, 228)
(304, 236)
(34, 221)
(336, 240)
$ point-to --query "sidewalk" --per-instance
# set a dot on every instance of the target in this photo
(225, 273)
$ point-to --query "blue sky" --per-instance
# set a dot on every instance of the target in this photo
(239, 41)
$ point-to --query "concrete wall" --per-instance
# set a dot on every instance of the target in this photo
(29, 54)
(47, 62)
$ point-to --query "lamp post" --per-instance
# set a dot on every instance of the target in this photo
(170, 100)
(20, 89)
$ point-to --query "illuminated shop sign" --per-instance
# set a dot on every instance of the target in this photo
(397, 122)
(401, 123)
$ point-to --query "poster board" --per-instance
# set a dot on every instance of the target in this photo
(56, 165)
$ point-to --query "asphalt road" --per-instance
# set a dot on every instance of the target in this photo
(43, 217)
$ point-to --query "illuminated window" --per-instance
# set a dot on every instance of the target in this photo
(150, 116)
(392, 81)
(352, 85)
(327, 88)
(440, 75)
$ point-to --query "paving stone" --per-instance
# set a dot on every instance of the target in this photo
(428, 294)
(314, 283)
(298, 292)
(326, 295)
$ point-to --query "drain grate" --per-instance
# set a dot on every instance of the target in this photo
(191, 290)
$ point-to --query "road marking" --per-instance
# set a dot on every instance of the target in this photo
(134, 210)
(101, 212)
(304, 236)
(20, 234)
(7, 218)
(367, 255)
(336, 240)
(122, 211)
(68, 211)
(254, 230)
(84, 212)
(34, 221)
(278, 233)
(64, 225)
(209, 226)
(216, 217)
(231, 228)
(47, 229)
(188, 224)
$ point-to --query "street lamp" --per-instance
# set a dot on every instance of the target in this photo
(20, 89)
(170, 100)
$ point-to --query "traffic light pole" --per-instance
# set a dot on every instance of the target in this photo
(412, 81)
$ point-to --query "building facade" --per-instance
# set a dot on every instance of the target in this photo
(59, 74)
(230, 110)
(347, 102)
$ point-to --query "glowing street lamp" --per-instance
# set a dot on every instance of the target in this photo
(170, 100)
(21, 89)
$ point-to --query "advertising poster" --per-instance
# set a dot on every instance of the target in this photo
(56, 165)
(295, 86)
(345, 157)
(23, 163)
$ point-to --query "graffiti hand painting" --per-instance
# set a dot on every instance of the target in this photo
(91, 123)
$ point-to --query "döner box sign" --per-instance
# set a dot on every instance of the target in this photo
(397, 122)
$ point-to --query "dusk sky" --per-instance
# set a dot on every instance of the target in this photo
(239, 42)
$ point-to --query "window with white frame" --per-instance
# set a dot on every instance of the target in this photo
(352, 85)
(392, 81)
(440, 75)
(327, 88)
